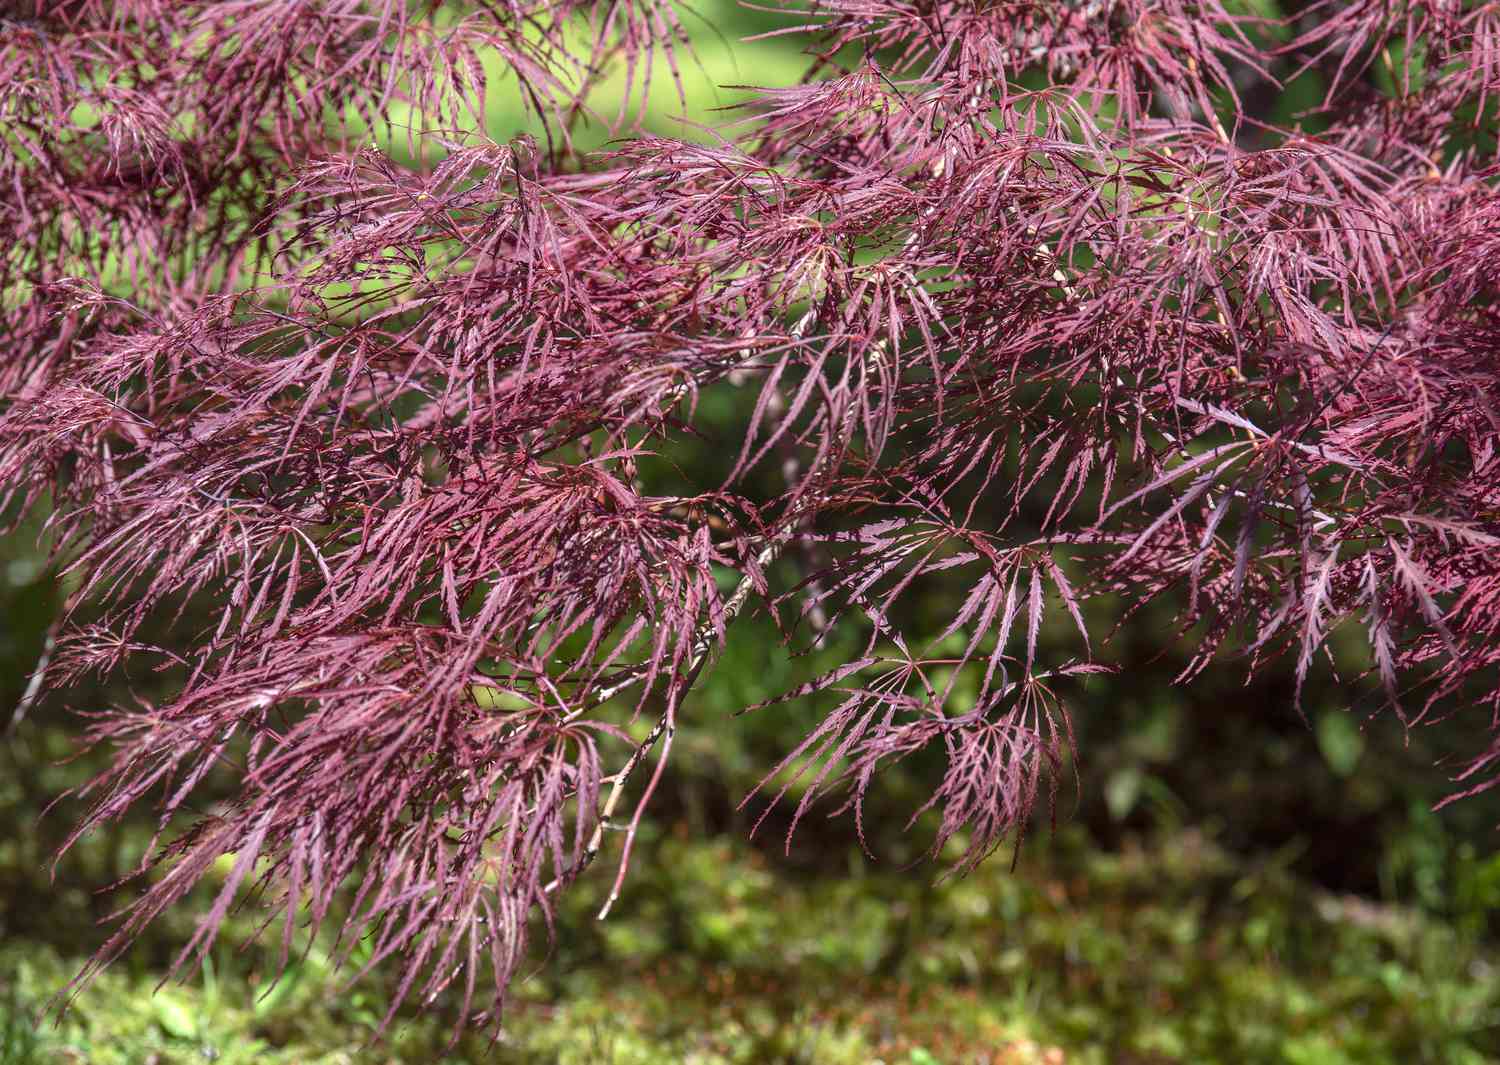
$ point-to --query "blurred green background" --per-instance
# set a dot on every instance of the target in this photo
(1230, 883)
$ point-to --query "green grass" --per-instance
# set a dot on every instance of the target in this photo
(1166, 952)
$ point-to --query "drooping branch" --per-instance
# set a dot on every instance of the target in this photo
(1020, 355)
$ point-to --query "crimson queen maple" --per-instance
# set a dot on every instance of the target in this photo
(1030, 295)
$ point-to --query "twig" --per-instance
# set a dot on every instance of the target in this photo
(34, 683)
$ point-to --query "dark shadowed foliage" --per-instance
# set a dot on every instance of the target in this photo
(1033, 302)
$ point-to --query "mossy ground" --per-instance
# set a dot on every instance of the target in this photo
(1163, 952)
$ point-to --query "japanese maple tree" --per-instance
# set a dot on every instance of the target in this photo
(1026, 295)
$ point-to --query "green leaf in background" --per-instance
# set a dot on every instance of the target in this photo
(1123, 790)
(279, 993)
(1340, 741)
(174, 1016)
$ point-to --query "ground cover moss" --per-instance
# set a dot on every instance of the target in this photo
(1165, 951)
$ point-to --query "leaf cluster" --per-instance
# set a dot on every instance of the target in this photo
(1027, 298)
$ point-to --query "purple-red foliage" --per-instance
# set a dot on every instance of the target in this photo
(1030, 296)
